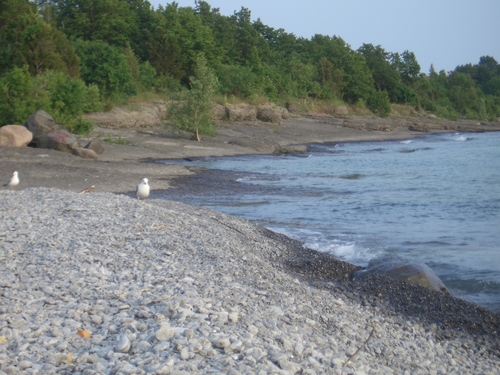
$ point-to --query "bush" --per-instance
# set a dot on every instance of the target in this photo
(194, 113)
(379, 103)
(106, 67)
(147, 76)
(92, 101)
(80, 126)
(65, 98)
(20, 96)
(235, 80)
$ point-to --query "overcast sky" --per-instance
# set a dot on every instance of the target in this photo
(445, 33)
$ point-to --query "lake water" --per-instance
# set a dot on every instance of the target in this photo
(435, 199)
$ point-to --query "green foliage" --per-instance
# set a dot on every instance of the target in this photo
(106, 67)
(194, 113)
(379, 103)
(123, 47)
(147, 76)
(79, 126)
(110, 21)
(64, 97)
(92, 101)
(20, 96)
(358, 82)
(407, 66)
(26, 39)
(236, 80)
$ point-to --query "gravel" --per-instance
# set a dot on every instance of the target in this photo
(106, 284)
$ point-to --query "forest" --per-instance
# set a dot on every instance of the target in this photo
(70, 57)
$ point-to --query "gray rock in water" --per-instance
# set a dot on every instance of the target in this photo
(396, 267)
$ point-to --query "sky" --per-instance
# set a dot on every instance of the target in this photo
(444, 33)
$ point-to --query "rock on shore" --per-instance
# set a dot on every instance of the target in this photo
(107, 284)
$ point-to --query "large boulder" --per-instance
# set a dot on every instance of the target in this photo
(40, 123)
(59, 140)
(241, 113)
(341, 111)
(396, 267)
(15, 136)
(219, 112)
(268, 113)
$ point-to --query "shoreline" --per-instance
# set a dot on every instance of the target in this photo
(447, 319)
(131, 154)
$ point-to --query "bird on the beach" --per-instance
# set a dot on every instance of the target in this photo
(14, 180)
(142, 191)
(88, 190)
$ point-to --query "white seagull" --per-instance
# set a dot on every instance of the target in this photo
(14, 180)
(142, 191)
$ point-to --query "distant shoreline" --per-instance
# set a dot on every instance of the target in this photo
(130, 155)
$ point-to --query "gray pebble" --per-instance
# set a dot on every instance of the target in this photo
(168, 288)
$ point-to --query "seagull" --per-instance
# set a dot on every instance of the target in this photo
(14, 180)
(142, 191)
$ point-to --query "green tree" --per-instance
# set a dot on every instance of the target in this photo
(407, 66)
(110, 21)
(175, 41)
(107, 67)
(194, 112)
(385, 77)
(236, 80)
(358, 78)
(26, 39)
(464, 95)
(379, 103)
(331, 79)
(65, 98)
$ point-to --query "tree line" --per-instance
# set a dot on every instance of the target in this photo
(75, 56)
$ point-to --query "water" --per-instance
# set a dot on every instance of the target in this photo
(434, 199)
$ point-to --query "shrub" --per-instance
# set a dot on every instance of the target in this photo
(65, 98)
(379, 103)
(107, 67)
(20, 96)
(236, 80)
(147, 76)
(194, 113)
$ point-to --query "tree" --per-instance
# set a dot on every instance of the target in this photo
(407, 66)
(194, 113)
(385, 76)
(111, 21)
(358, 79)
(379, 103)
(105, 66)
(26, 39)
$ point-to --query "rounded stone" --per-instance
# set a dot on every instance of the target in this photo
(123, 344)
(164, 333)
(184, 353)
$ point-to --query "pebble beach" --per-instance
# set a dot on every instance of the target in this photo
(102, 283)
